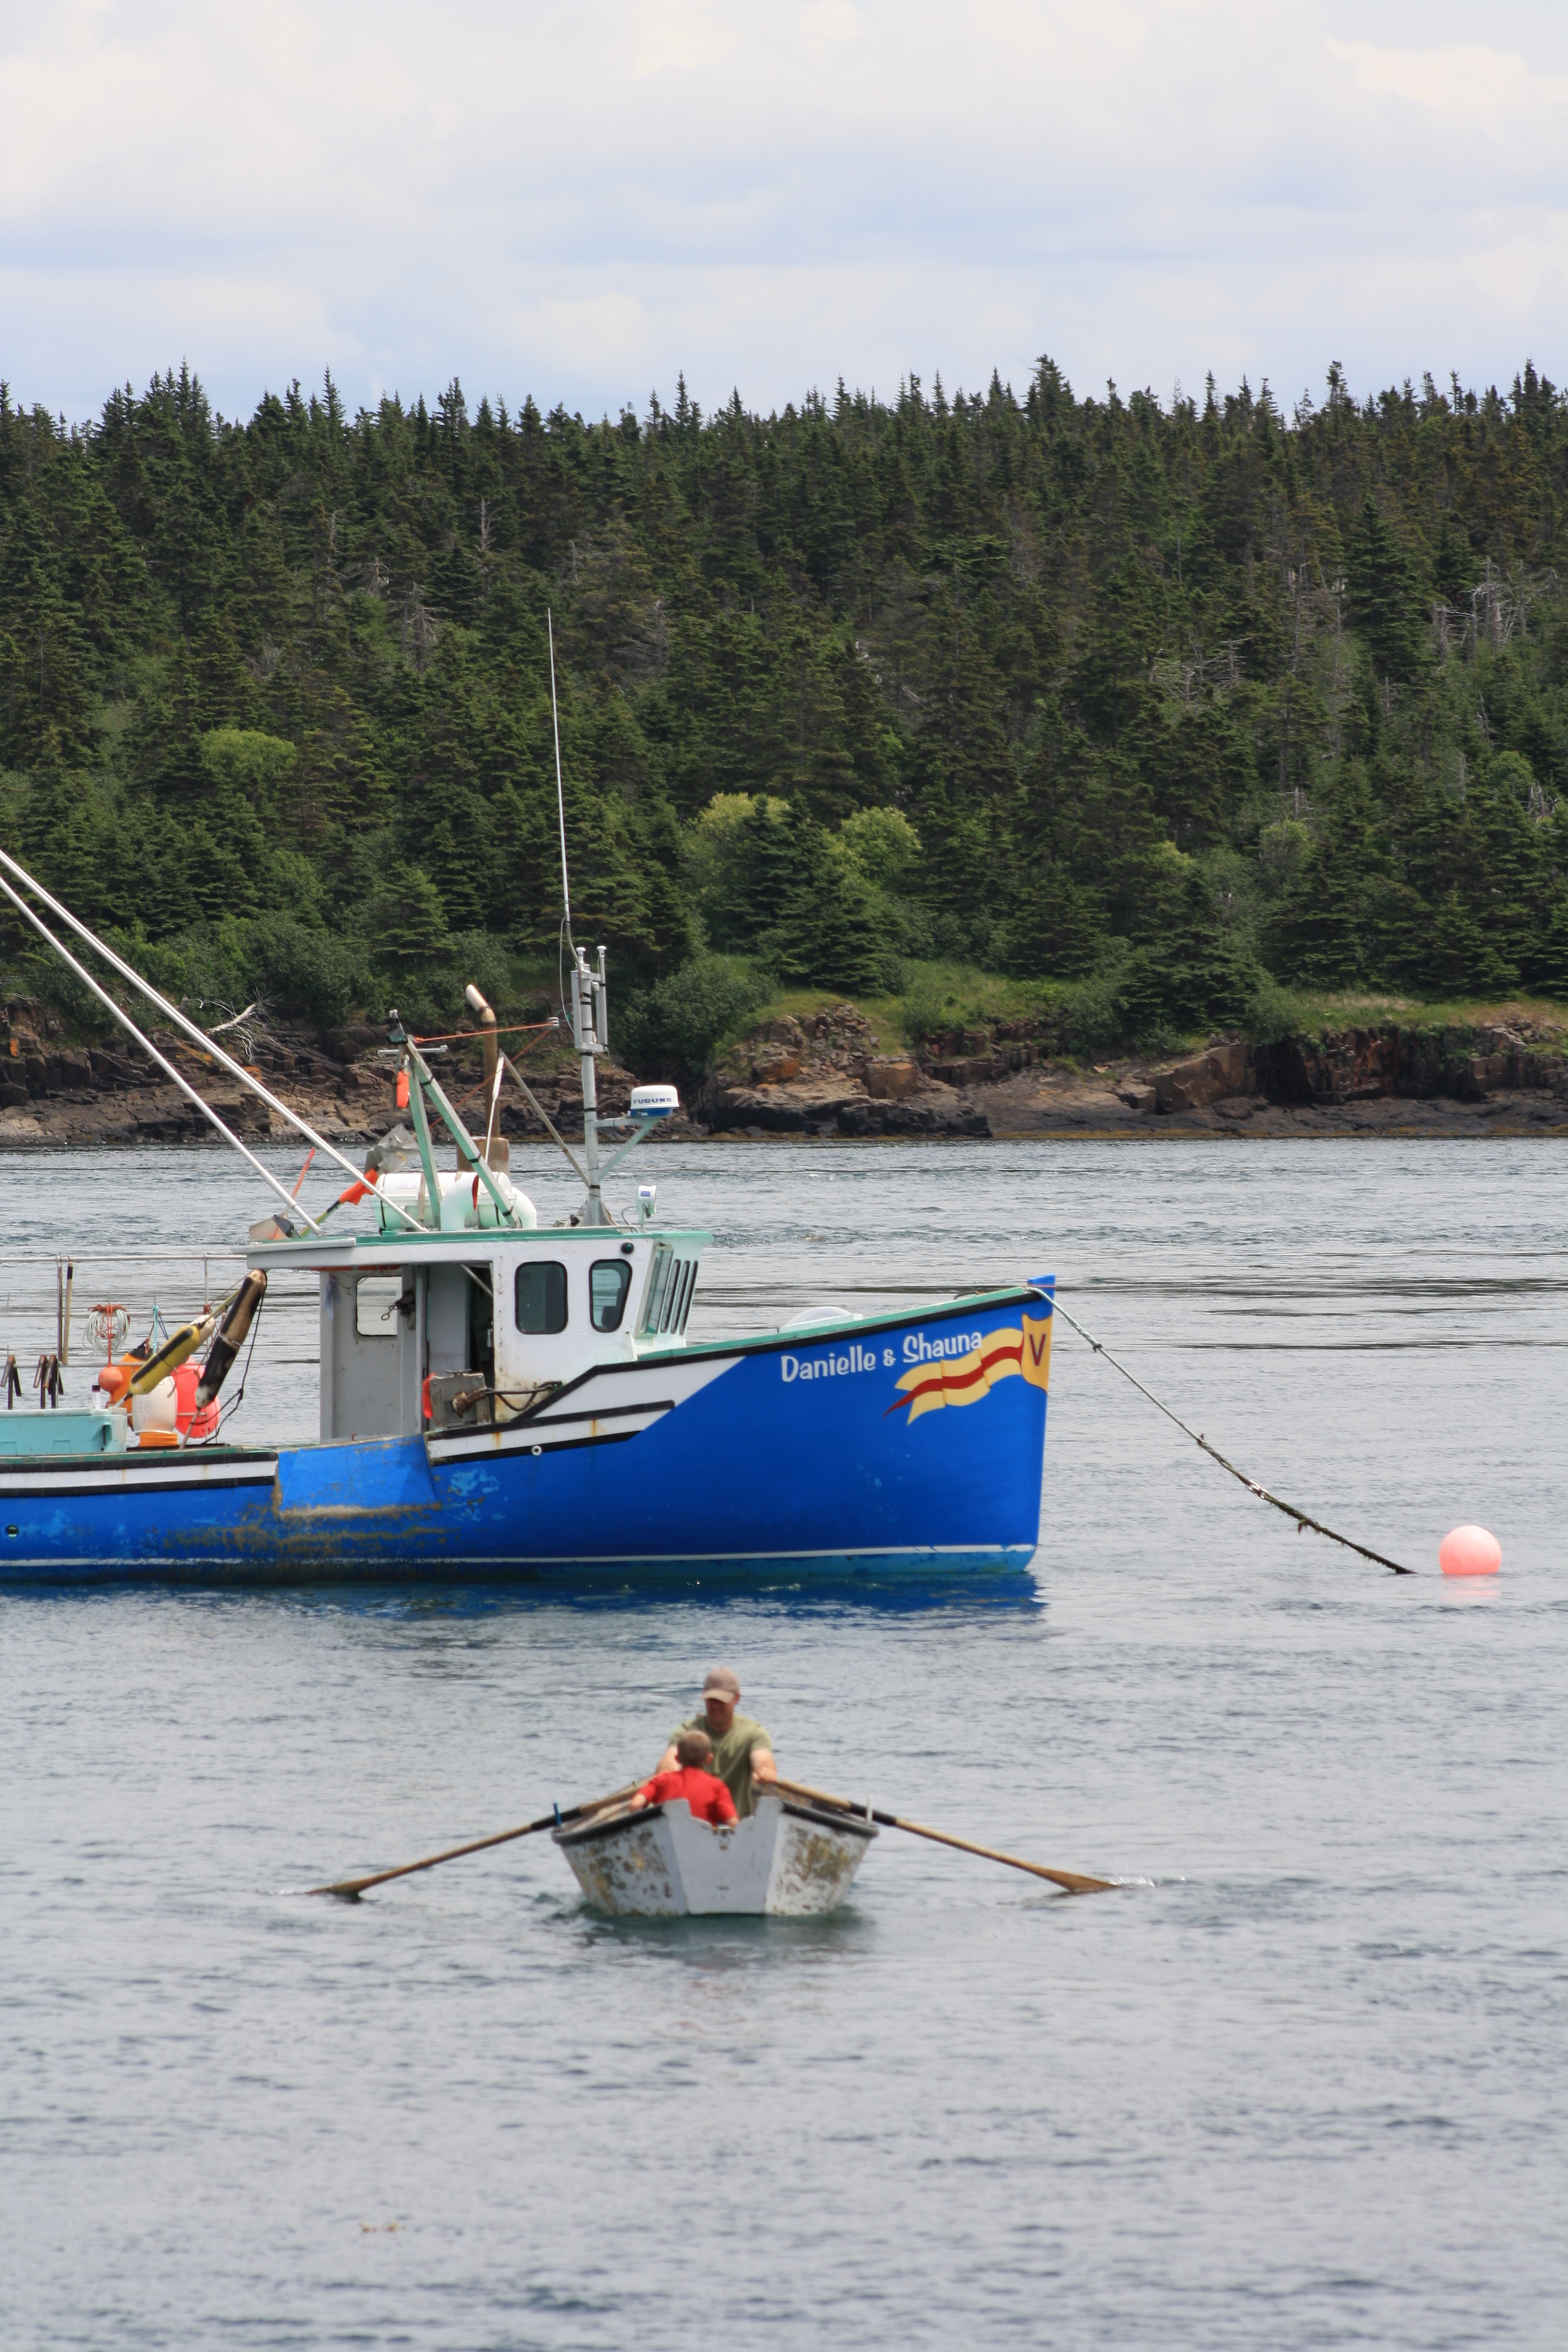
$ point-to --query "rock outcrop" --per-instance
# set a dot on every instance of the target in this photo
(825, 1076)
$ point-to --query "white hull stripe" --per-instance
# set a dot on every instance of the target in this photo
(489, 1445)
(666, 1386)
(115, 1478)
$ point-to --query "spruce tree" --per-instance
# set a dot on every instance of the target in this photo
(1385, 606)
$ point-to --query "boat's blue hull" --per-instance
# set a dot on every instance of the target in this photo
(903, 1445)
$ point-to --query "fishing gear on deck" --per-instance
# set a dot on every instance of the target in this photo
(1302, 1519)
(107, 1324)
(48, 1381)
(13, 1383)
(230, 1338)
(168, 1358)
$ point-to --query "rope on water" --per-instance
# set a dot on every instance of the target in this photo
(1302, 1519)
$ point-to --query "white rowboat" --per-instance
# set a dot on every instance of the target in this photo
(789, 1859)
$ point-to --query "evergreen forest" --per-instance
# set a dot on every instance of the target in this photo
(1160, 710)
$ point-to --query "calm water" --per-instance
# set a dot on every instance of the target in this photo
(1303, 2086)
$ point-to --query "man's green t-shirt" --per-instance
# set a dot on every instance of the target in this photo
(732, 1754)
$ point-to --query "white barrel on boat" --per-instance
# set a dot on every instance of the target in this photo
(159, 1409)
(404, 1189)
(520, 1208)
(458, 1209)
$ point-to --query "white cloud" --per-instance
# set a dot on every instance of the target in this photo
(682, 35)
(769, 194)
(1467, 84)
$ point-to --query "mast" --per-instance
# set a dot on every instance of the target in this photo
(590, 1025)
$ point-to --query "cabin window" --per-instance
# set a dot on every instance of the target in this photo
(376, 1300)
(609, 1279)
(541, 1294)
(656, 1286)
(669, 1290)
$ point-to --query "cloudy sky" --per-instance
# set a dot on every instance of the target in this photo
(772, 193)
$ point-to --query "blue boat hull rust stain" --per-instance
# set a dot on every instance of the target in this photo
(900, 1445)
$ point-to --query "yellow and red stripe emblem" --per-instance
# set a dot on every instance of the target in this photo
(965, 1379)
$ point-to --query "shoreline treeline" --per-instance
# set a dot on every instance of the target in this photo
(1173, 703)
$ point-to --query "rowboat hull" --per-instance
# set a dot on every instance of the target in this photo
(788, 1860)
(898, 1446)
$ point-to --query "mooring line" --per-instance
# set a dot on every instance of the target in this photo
(1302, 1519)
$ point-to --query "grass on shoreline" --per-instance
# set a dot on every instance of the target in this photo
(955, 997)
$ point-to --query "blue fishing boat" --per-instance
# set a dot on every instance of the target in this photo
(502, 1398)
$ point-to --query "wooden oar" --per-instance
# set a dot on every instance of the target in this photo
(350, 1889)
(1070, 1880)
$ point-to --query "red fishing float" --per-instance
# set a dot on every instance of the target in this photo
(1469, 1551)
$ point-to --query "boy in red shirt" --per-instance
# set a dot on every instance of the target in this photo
(706, 1794)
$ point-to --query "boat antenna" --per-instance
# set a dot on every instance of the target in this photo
(560, 789)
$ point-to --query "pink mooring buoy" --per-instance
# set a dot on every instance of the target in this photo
(1469, 1551)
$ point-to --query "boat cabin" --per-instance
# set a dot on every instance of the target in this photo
(456, 1330)
(432, 1330)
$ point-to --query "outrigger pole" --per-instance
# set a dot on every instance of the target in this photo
(148, 1047)
(191, 1029)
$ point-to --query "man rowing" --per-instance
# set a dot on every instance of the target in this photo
(742, 1752)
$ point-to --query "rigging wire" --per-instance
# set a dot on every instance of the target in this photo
(452, 1036)
(146, 1044)
(200, 1036)
(1302, 1519)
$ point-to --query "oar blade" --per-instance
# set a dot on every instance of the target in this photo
(1071, 1881)
(349, 1890)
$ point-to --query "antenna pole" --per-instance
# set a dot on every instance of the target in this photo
(560, 789)
(588, 1024)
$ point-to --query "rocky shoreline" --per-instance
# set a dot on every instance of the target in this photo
(826, 1079)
